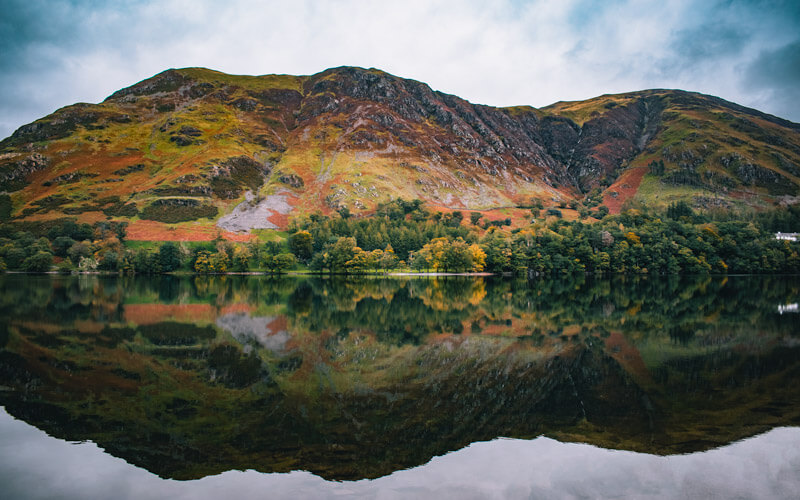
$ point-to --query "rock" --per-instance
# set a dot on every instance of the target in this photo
(69, 178)
(182, 140)
(190, 131)
(246, 104)
(13, 175)
(247, 215)
(292, 180)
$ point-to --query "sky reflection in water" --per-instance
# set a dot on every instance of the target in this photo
(35, 465)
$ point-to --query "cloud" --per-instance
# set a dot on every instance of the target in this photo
(498, 52)
(774, 80)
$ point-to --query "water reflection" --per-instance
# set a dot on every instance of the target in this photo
(353, 379)
(765, 467)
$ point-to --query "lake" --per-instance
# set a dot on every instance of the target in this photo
(447, 387)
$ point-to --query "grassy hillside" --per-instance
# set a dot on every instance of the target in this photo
(181, 150)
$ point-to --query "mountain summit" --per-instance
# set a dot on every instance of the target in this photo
(248, 152)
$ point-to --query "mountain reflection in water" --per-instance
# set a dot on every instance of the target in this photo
(353, 379)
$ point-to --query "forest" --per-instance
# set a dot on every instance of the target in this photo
(406, 236)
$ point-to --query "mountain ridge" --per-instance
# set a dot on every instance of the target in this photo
(347, 137)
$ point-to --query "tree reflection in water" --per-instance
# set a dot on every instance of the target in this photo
(354, 378)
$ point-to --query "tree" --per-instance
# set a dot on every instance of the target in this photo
(219, 263)
(656, 167)
(388, 260)
(146, 262)
(455, 219)
(109, 261)
(360, 261)
(478, 257)
(457, 256)
(62, 244)
(127, 266)
(78, 250)
(341, 252)
(474, 217)
(679, 209)
(40, 245)
(279, 263)
(241, 258)
(169, 257)
(14, 257)
(301, 245)
(39, 262)
(498, 253)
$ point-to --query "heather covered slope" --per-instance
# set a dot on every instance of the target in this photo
(692, 147)
(198, 147)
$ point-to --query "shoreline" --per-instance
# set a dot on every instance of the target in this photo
(254, 273)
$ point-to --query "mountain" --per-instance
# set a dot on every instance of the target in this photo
(197, 147)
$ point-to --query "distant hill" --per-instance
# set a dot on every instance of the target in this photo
(198, 147)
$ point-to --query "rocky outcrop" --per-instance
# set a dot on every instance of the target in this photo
(186, 136)
(13, 175)
(606, 142)
(230, 177)
(255, 213)
(168, 81)
(752, 174)
(69, 178)
(292, 180)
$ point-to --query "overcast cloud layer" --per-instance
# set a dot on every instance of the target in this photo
(497, 52)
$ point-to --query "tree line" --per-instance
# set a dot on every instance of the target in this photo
(404, 235)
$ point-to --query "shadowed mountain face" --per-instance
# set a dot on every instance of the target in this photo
(356, 379)
(198, 142)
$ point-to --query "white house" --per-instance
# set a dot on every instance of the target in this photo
(787, 236)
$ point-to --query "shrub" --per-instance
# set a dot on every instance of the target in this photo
(174, 210)
(554, 212)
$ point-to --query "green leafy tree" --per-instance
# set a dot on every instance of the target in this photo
(169, 257)
(340, 253)
(388, 259)
(14, 257)
(240, 260)
(284, 262)
(109, 261)
(61, 245)
(78, 250)
(39, 262)
(301, 245)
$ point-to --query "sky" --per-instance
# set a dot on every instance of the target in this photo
(496, 52)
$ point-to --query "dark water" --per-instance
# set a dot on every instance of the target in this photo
(355, 380)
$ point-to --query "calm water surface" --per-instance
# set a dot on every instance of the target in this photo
(165, 386)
